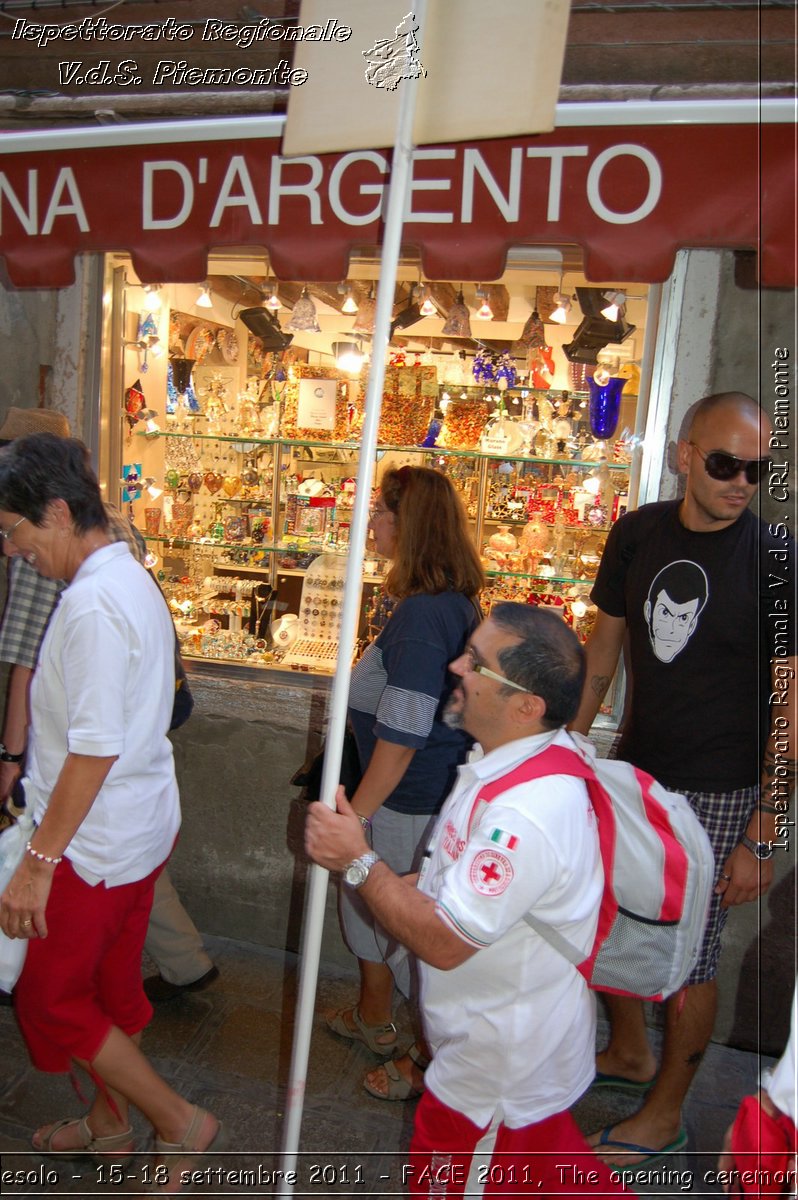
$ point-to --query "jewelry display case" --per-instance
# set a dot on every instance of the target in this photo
(240, 457)
(244, 525)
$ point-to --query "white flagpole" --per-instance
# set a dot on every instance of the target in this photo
(398, 192)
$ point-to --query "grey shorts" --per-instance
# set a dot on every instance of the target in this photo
(400, 839)
(724, 816)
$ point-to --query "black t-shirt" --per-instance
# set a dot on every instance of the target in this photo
(706, 613)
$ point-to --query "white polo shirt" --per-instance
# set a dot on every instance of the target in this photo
(104, 685)
(513, 1027)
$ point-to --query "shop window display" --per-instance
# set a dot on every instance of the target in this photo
(255, 451)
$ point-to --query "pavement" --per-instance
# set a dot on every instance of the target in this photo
(228, 1048)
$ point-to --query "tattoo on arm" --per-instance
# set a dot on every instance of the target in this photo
(787, 769)
(599, 684)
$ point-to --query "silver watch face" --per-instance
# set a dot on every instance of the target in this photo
(357, 872)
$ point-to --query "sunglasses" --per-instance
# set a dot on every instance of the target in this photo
(725, 466)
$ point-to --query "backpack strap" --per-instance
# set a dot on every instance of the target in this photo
(554, 760)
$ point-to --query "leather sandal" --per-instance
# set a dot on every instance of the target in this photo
(367, 1034)
(399, 1087)
(184, 1155)
(91, 1146)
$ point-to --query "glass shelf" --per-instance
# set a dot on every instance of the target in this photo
(382, 447)
(182, 543)
(491, 574)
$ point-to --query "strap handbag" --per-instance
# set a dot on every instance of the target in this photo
(183, 705)
(309, 777)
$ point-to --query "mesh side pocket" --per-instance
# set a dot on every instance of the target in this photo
(637, 956)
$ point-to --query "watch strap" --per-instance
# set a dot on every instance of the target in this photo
(7, 756)
(760, 850)
(365, 862)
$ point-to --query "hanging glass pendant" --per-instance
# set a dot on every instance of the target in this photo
(605, 406)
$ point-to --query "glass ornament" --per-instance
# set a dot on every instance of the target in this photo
(604, 408)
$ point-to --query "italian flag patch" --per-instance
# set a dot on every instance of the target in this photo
(501, 838)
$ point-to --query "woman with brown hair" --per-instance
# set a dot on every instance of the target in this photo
(398, 691)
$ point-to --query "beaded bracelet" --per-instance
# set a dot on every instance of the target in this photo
(48, 858)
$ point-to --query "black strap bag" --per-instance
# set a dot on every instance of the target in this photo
(309, 777)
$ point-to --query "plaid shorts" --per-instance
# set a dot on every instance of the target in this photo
(724, 816)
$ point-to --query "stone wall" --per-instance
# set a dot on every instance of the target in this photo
(239, 865)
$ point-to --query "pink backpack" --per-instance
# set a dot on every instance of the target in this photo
(659, 871)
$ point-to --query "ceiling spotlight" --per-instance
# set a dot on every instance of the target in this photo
(204, 298)
(428, 308)
(348, 357)
(484, 312)
(595, 330)
(152, 297)
(350, 305)
(264, 325)
(273, 302)
(409, 315)
(616, 305)
(560, 313)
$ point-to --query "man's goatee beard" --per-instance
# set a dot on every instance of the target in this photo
(452, 716)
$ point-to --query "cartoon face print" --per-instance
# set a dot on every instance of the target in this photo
(675, 600)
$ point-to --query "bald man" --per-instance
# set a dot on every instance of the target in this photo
(691, 583)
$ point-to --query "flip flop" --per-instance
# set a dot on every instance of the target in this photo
(649, 1153)
(367, 1034)
(620, 1083)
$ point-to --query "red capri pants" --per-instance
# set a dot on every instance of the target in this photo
(85, 976)
(547, 1158)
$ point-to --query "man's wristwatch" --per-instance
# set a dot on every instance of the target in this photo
(760, 850)
(7, 756)
(356, 874)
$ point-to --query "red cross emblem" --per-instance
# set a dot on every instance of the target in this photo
(490, 873)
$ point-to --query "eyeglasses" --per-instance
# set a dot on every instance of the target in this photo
(7, 534)
(725, 466)
(472, 663)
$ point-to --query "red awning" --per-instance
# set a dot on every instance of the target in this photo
(629, 194)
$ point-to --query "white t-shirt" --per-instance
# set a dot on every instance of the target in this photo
(513, 1027)
(104, 685)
